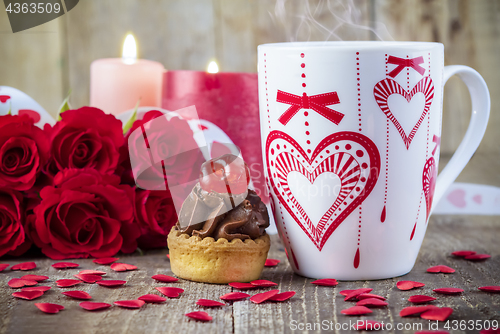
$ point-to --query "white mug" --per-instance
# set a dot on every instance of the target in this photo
(350, 139)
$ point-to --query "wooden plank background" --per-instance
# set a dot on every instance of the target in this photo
(48, 60)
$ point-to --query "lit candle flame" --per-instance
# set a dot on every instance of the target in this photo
(212, 67)
(129, 53)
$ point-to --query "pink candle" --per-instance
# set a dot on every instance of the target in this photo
(117, 84)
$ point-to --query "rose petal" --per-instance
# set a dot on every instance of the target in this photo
(199, 315)
(66, 283)
(88, 278)
(369, 325)
(420, 299)
(77, 294)
(369, 295)
(372, 302)
(414, 310)
(170, 292)
(209, 303)
(477, 257)
(463, 253)
(449, 291)
(232, 296)
(92, 272)
(3, 266)
(122, 267)
(65, 265)
(262, 283)
(93, 306)
(24, 266)
(132, 304)
(326, 282)
(262, 297)
(356, 310)
(281, 297)
(242, 286)
(441, 269)
(355, 293)
(271, 262)
(150, 298)
(19, 283)
(408, 285)
(438, 313)
(346, 292)
(105, 260)
(164, 278)
(38, 278)
(37, 288)
(28, 295)
(49, 307)
(111, 283)
(492, 288)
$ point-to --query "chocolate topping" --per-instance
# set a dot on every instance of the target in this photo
(210, 214)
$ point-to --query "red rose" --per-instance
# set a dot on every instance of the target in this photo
(85, 213)
(24, 149)
(86, 138)
(12, 235)
(155, 214)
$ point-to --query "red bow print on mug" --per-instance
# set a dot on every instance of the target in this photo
(317, 103)
(405, 62)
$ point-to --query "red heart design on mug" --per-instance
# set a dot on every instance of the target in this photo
(429, 176)
(385, 88)
(4, 98)
(35, 116)
(352, 157)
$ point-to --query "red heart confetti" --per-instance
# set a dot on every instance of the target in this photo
(420, 299)
(77, 294)
(372, 302)
(441, 269)
(355, 293)
(369, 295)
(463, 253)
(438, 313)
(408, 285)
(122, 267)
(65, 265)
(132, 304)
(168, 256)
(24, 266)
(490, 331)
(38, 278)
(209, 303)
(281, 297)
(271, 262)
(66, 283)
(346, 292)
(105, 260)
(262, 297)
(170, 292)
(262, 283)
(232, 296)
(199, 315)
(432, 332)
(93, 306)
(92, 272)
(37, 288)
(477, 257)
(111, 283)
(16, 283)
(49, 307)
(356, 310)
(88, 278)
(490, 288)
(28, 295)
(369, 325)
(326, 282)
(150, 298)
(415, 310)
(164, 278)
(449, 291)
(3, 266)
(242, 286)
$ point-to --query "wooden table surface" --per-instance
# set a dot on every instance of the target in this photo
(312, 304)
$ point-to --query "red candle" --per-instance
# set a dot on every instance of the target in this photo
(230, 101)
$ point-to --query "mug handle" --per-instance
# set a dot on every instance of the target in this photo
(480, 98)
